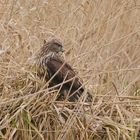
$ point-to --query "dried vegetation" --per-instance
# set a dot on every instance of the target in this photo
(102, 43)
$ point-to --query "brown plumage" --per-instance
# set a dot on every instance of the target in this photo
(52, 66)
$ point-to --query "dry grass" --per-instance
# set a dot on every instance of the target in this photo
(102, 43)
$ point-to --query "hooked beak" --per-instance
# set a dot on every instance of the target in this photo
(62, 50)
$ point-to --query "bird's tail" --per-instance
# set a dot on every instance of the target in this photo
(76, 95)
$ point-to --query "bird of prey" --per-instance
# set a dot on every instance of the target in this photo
(52, 66)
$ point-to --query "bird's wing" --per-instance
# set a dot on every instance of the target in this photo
(64, 71)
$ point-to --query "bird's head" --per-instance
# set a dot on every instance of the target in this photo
(53, 45)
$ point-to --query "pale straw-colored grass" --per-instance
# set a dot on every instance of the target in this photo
(102, 43)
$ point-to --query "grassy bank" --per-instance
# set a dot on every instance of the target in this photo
(101, 41)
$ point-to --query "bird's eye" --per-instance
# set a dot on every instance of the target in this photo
(56, 44)
(60, 46)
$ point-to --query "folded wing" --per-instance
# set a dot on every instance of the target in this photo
(63, 72)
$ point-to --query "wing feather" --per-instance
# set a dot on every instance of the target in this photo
(64, 71)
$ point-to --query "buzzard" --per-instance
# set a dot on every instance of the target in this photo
(53, 67)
